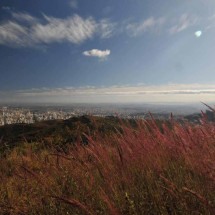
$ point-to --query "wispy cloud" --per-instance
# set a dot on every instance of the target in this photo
(73, 4)
(106, 28)
(161, 93)
(6, 8)
(184, 22)
(152, 23)
(24, 30)
(172, 89)
(15, 35)
(97, 53)
(24, 17)
(74, 29)
(124, 90)
(210, 23)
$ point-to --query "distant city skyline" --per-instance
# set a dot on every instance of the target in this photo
(77, 51)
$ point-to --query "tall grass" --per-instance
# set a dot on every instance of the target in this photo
(150, 168)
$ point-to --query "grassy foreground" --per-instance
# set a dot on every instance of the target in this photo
(144, 169)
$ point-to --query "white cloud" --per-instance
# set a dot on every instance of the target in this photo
(169, 89)
(73, 4)
(184, 22)
(97, 53)
(142, 93)
(106, 28)
(74, 29)
(14, 34)
(135, 29)
(24, 30)
(24, 17)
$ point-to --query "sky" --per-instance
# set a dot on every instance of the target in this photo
(91, 51)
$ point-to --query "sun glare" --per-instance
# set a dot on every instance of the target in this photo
(198, 34)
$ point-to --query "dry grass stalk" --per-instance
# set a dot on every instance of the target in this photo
(74, 203)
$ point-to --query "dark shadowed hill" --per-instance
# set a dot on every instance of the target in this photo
(61, 131)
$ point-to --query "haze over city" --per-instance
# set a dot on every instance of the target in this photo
(77, 51)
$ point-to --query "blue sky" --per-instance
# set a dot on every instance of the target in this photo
(107, 50)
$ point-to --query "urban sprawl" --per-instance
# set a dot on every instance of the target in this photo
(16, 115)
(12, 115)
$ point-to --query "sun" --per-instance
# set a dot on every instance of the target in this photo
(198, 34)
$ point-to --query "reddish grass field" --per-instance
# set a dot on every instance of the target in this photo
(147, 169)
